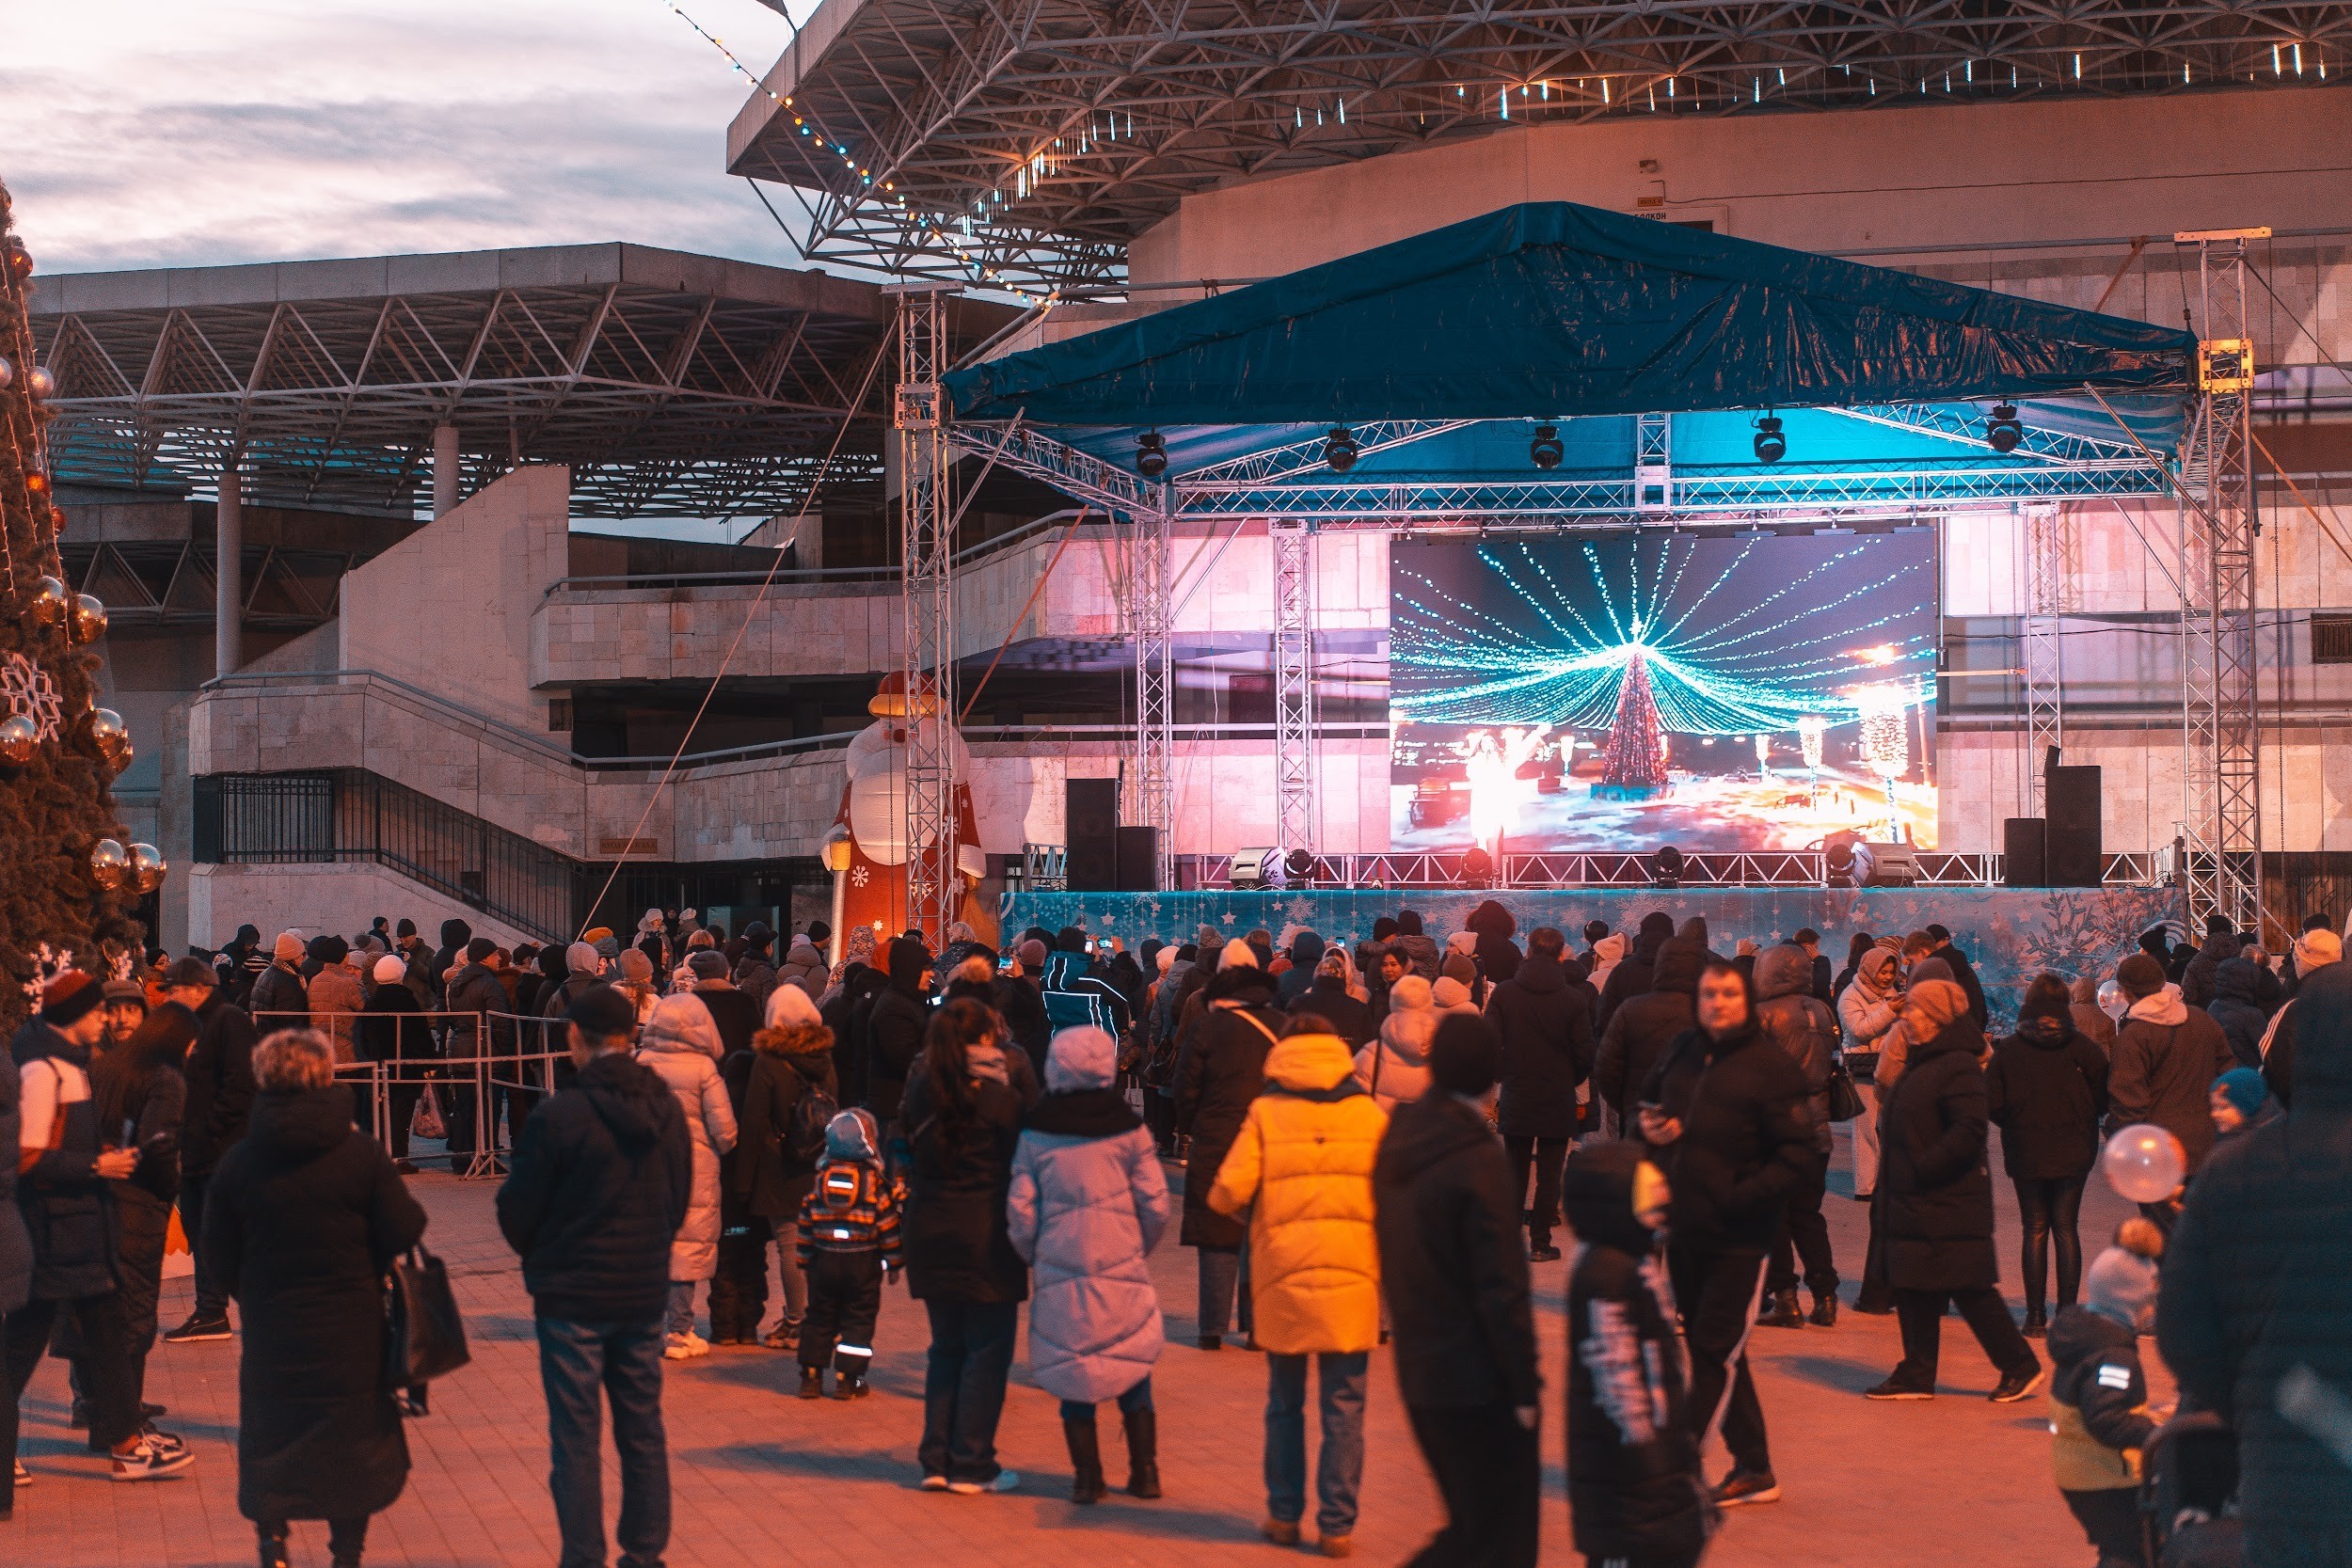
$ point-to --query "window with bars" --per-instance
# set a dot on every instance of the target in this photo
(2331, 639)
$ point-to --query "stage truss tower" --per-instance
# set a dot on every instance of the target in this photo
(1296, 815)
(2048, 599)
(927, 546)
(1152, 788)
(2220, 523)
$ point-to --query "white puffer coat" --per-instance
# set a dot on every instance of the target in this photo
(680, 1043)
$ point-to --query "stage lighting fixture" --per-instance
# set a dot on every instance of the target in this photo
(1545, 450)
(1477, 865)
(1837, 858)
(1151, 454)
(1771, 445)
(1299, 866)
(1339, 449)
(1256, 869)
(2003, 429)
(1665, 867)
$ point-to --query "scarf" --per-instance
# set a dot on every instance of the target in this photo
(985, 1059)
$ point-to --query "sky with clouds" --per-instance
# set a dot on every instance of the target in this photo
(151, 133)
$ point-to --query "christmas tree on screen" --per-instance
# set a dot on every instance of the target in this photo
(1633, 767)
(68, 882)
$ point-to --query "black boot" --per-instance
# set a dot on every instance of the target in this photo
(812, 1382)
(849, 1386)
(1784, 1312)
(1086, 1458)
(2037, 1325)
(273, 1538)
(1824, 1311)
(1143, 1454)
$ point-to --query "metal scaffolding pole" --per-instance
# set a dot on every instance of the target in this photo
(1150, 575)
(2221, 736)
(927, 552)
(2046, 600)
(1296, 813)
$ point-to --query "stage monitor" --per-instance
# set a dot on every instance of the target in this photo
(1616, 690)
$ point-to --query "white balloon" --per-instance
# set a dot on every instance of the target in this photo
(2144, 1163)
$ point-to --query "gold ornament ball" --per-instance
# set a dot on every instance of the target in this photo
(50, 601)
(109, 863)
(41, 384)
(7, 373)
(90, 618)
(19, 736)
(147, 867)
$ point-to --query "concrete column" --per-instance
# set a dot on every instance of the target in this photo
(444, 470)
(228, 577)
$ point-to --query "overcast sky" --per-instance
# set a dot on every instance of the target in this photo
(146, 133)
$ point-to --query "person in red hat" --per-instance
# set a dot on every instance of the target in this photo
(62, 1168)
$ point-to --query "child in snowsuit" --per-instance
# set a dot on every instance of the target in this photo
(1635, 1490)
(2098, 1416)
(849, 1242)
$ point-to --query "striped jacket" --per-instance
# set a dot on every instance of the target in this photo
(854, 1206)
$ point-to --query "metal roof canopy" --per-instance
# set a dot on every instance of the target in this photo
(1039, 136)
(1646, 342)
(673, 385)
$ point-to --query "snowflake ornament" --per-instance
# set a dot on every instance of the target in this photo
(47, 965)
(857, 876)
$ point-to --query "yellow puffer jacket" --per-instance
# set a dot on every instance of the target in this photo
(1304, 1158)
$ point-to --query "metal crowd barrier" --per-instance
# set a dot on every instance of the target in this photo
(472, 1087)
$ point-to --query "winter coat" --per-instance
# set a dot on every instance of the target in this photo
(16, 1247)
(2046, 1089)
(597, 1188)
(1349, 1019)
(1639, 1031)
(1218, 1073)
(680, 1044)
(475, 990)
(2099, 1420)
(1633, 972)
(756, 978)
(1793, 1019)
(2257, 1286)
(277, 991)
(67, 1205)
(1965, 976)
(1937, 1212)
(1498, 956)
(1747, 1144)
(1869, 1009)
(803, 966)
(1420, 953)
(1087, 1205)
(1301, 1168)
(1306, 951)
(335, 1001)
(1452, 1262)
(2237, 1007)
(301, 1220)
(894, 1038)
(787, 1062)
(2165, 1059)
(733, 1012)
(2200, 981)
(393, 1029)
(1547, 1030)
(1394, 1069)
(2083, 1008)
(220, 1085)
(1635, 1491)
(958, 1245)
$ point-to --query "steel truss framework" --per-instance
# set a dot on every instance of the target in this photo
(926, 556)
(2049, 595)
(1042, 135)
(671, 385)
(2221, 731)
(1577, 869)
(1150, 579)
(1297, 814)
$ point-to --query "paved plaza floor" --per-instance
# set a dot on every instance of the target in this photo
(760, 1478)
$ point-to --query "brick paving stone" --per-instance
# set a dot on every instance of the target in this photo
(760, 1478)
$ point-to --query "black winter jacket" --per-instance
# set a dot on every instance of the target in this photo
(1634, 1486)
(1218, 1072)
(1547, 1030)
(894, 1038)
(2236, 1006)
(1451, 1261)
(2199, 981)
(1634, 972)
(2095, 1372)
(220, 1085)
(765, 1174)
(1800, 1026)
(1965, 976)
(599, 1185)
(2046, 1090)
(2258, 1282)
(1639, 1033)
(959, 1245)
(1936, 1215)
(1747, 1139)
(303, 1218)
(1350, 1020)
(68, 1207)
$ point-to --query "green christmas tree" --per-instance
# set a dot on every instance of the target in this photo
(68, 882)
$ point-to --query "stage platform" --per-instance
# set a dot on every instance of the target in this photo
(2010, 934)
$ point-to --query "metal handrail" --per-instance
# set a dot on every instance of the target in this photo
(971, 555)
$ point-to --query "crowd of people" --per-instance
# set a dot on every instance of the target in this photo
(1375, 1143)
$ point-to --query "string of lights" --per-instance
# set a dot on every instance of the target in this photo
(1803, 650)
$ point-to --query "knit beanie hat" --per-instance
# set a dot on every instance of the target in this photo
(288, 948)
(1032, 955)
(581, 960)
(2122, 1283)
(1466, 1055)
(70, 998)
(2318, 950)
(1460, 968)
(2243, 1087)
(390, 970)
(1237, 955)
(636, 969)
(2139, 975)
(1450, 993)
(707, 963)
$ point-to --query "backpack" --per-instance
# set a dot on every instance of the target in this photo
(811, 1115)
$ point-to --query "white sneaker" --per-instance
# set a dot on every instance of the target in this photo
(675, 1348)
(697, 1344)
(158, 1454)
(24, 1475)
(1006, 1480)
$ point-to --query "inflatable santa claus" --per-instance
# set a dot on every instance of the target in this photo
(867, 849)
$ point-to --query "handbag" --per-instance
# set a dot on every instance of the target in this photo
(1845, 1100)
(426, 1122)
(425, 1335)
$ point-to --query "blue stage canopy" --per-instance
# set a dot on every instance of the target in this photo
(1555, 311)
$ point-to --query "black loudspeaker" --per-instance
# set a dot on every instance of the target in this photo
(1138, 860)
(2072, 856)
(1090, 836)
(2021, 844)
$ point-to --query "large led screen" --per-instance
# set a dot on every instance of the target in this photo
(1624, 690)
